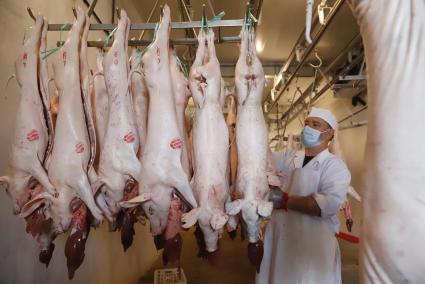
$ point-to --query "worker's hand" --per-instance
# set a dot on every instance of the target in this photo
(275, 196)
(279, 198)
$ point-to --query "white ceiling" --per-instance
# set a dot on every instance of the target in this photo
(281, 23)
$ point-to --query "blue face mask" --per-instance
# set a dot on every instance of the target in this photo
(310, 137)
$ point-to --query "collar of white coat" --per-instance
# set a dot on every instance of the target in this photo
(299, 158)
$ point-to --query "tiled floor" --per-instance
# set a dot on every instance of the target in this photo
(233, 267)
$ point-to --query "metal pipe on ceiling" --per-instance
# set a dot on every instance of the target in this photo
(352, 43)
(353, 114)
(353, 125)
(296, 108)
(292, 54)
(310, 48)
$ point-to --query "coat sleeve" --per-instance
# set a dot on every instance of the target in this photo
(333, 186)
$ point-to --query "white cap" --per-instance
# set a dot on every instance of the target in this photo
(324, 114)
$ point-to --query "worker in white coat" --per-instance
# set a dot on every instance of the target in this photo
(300, 244)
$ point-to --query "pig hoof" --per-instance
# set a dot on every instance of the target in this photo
(212, 257)
(127, 229)
(74, 251)
(232, 234)
(46, 255)
(172, 249)
(255, 254)
(159, 241)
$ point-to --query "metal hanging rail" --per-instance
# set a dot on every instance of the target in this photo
(151, 26)
(175, 41)
(356, 40)
(353, 114)
(310, 48)
(298, 107)
(292, 54)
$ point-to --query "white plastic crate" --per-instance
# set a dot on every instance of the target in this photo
(169, 276)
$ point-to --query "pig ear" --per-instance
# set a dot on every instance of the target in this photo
(234, 207)
(34, 203)
(5, 181)
(264, 208)
(189, 219)
(232, 223)
(218, 219)
(136, 200)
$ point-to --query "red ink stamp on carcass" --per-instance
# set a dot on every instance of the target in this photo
(116, 55)
(64, 58)
(176, 143)
(24, 59)
(79, 148)
(33, 135)
(129, 137)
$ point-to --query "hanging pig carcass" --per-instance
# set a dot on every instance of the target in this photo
(252, 147)
(392, 231)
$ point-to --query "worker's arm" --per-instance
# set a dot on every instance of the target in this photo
(326, 202)
(303, 204)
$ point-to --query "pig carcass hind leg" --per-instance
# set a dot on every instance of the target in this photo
(39, 173)
(84, 191)
(178, 180)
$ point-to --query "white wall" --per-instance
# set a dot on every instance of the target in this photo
(105, 261)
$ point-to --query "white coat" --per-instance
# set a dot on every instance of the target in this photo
(299, 248)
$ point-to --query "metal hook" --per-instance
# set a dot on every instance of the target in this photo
(316, 54)
(118, 10)
(74, 11)
(247, 12)
(204, 14)
(161, 12)
(31, 13)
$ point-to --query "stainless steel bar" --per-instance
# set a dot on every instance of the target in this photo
(151, 26)
(352, 77)
(175, 41)
(310, 48)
